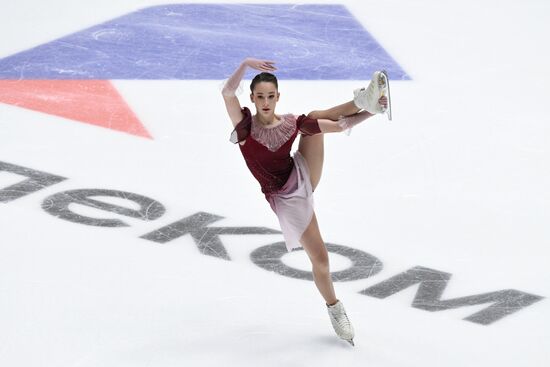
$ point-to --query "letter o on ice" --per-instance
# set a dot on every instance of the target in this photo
(363, 265)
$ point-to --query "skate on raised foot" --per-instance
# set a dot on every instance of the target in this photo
(367, 98)
(340, 322)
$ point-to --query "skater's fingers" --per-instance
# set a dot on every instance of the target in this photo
(262, 65)
(268, 65)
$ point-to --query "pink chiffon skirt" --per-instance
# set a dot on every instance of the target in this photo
(293, 203)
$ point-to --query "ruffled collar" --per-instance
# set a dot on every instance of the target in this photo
(274, 138)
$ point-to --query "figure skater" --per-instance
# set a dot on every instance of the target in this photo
(265, 140)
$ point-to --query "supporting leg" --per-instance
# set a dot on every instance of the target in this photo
(317, 252)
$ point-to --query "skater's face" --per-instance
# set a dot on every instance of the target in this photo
(265, 97)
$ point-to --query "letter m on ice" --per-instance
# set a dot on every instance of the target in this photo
(432, 284)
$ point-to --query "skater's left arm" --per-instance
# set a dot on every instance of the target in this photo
(329, 126)
(343, 124)
(312, 126)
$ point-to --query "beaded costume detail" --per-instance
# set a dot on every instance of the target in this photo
(276, 137)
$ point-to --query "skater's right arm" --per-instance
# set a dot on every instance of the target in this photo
(232, 103)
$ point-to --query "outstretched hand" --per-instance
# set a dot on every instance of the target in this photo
(261, 65)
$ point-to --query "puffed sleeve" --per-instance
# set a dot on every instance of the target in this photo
(307, 126)
(242, 129)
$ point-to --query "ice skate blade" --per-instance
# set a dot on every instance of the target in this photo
(388, 109)
(350, 341)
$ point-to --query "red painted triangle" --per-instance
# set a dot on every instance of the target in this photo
(94, 102)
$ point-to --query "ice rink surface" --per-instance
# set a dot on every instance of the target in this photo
(133, 234)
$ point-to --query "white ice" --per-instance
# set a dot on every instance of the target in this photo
(458, 182)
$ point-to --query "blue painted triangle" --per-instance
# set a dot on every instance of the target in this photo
(208, 41)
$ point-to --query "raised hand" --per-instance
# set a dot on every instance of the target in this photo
(261, 65)
(383, 101)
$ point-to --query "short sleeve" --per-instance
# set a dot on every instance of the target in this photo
(307, 126)
(242, 129)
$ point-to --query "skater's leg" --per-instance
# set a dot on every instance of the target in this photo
(313, 150)
(312, 147)
(317, 252)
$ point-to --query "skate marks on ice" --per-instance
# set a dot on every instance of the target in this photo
(74, 83)
(432, 283)
(206, 41)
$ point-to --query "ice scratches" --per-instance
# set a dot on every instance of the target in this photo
(58, 206)
(215, 36)
(363, 266)
(72, 45)
(173, 14)
(432, 284)
(36, 181)
(206, 238)
(305, 10)
(112, 35)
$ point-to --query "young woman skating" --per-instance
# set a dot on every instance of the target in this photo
(288, 182)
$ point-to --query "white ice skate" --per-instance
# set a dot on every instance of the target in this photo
(367, 98)
(340, 322)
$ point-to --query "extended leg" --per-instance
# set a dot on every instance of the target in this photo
(330, 120)
(312, 147)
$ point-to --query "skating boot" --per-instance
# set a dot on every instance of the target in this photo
(340, 322)
(367, 98)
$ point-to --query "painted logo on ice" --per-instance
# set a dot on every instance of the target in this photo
(69, 77)
(202, 228)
